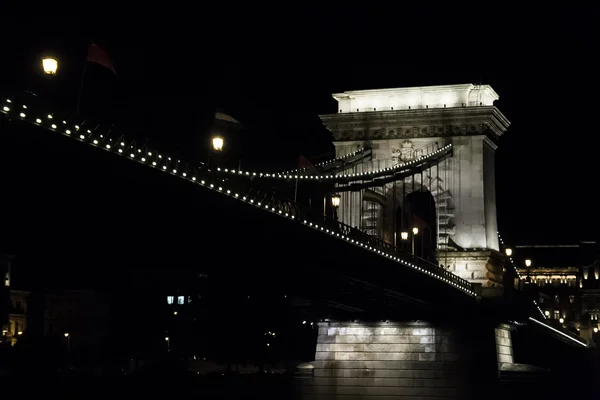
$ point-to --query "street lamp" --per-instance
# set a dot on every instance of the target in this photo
(216, 145)
(404, 235)
(508, 252)
(415, 231)
(168, 343)
(335, 202)
(561, 320)
(68, 336)
(50, 65)
(528, 263)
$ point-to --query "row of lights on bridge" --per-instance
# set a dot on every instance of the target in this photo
(439, 274)
(324, 163)
(528, 264)
(393, 169)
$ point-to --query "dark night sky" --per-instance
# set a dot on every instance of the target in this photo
(275, 69)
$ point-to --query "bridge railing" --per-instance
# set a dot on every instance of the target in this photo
(243, 190)
(270, 200)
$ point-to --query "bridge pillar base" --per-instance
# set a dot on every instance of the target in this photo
(389, 359)
(477, 266)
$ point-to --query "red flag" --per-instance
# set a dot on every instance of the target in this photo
(304, 163)
(96, 54)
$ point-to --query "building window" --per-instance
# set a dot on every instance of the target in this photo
(571, 299)
(556, 314)
(170, 299)
(179, 299)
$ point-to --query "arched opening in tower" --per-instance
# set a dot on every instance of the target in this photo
(423, 216)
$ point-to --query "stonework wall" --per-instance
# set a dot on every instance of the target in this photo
(485, 267)
(385, 360)
(504, 349)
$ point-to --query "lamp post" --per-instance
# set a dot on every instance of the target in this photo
(216, 144)
(335, 202)
(168, 343)
(415, 231)
(50, 65)
(528, 265)
(68, 336)
(404, 237)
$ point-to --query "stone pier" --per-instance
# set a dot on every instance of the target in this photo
(385, 360)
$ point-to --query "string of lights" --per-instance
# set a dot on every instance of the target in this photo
(344, 177)
(328, 162)
(518, 274)
(143, 155)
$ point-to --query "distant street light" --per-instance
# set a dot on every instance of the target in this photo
(50, 65)
(335, 202)
(68, 336)
(595, 330)
(415, 231)
(561, 320)
(168, 343)
(508, 252)
(528, 263)
(404, 235)
(217, 143)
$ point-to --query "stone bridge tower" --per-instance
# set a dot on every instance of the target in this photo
(401, 124)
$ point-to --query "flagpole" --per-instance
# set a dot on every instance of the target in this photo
(81, 86)
(296, 190)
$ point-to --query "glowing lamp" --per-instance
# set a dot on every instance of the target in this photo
(217, 143)
(50, 65)
(415, 230)
(404, 235)
(67, 334)
(335, 200)
(528, 263)
(508, 252)
(561, 320)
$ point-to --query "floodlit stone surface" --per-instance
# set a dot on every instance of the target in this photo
(395, 359)
(463, 186)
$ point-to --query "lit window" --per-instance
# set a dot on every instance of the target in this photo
(556, 314)
(180, 299)
(571, 299)
(170, 299)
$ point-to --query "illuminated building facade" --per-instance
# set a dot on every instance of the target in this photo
(567, 283)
